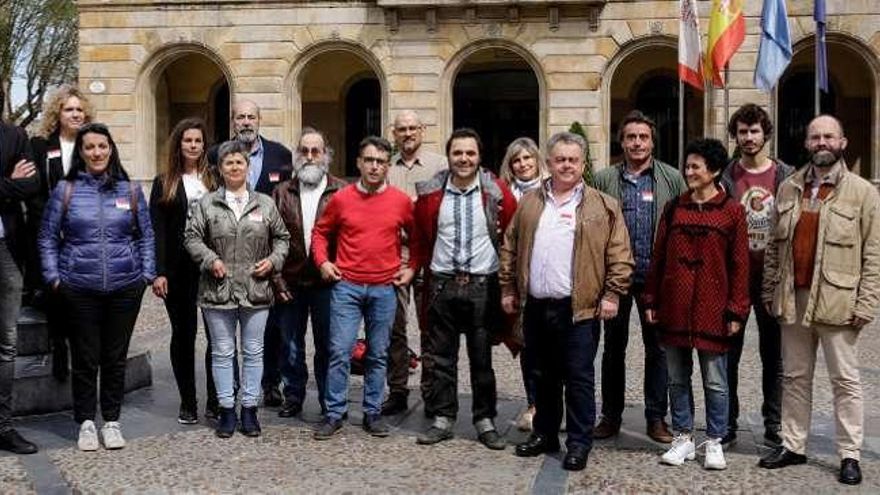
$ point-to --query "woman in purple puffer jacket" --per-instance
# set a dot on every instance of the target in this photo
(97, 251)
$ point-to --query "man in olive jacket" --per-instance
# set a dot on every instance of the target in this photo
(565, 265)
(643, 185)
(822, 281)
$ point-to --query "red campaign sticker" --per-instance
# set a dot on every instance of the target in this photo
(566, 215)
(123, 203)
(648, 196)
(53, 154)
(274, 176)
(255, 216)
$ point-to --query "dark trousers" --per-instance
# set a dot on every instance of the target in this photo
(398, 349)
(272, 351)
(10, 304)
(101, 326)
(527, 364)
(456, 308)
(770, 350)
(564, 357)
(293, 317)
(180, 304)
(656, 390)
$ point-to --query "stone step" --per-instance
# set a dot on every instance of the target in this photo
(33, 332)
(36, 391)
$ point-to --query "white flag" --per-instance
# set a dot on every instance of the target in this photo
(690, 54)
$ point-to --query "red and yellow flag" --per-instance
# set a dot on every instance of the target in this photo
(727, 29)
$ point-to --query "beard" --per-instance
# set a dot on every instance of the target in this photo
(826, 158)
(310, 173)
(247, 136)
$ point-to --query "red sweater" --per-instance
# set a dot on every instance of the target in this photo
(366, 228)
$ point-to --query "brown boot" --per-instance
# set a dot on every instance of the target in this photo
(606, 428)
(659, 431)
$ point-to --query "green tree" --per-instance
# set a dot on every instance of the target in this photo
(577, 128)
(38, 51)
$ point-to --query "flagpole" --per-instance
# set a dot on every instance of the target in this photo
(817, 96)
(726, 95)
(680, 123)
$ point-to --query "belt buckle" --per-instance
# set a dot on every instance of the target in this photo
(462, 278)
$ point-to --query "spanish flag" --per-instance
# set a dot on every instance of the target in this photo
(727, 29)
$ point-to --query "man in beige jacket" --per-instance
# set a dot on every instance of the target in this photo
(822, 281)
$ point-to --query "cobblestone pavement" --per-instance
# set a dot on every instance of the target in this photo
(164, 457)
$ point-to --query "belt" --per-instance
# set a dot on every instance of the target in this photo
(462, 278)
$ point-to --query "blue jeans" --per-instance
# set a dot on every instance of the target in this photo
(222, 324)
(293, 318)
(713, 368)
(350, 302)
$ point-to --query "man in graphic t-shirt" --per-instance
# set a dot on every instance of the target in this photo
(753, 179)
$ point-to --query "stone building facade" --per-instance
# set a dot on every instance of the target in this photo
(506, 67)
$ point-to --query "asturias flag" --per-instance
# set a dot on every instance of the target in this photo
(727, 30)
(690, 55)
(774, 55)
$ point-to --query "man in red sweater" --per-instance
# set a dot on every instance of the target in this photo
(363, 221)
(461, 216)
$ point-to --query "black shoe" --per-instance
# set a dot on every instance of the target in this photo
(272, 397)
(376, 426)
(13, 442)
(492, 440)
(537, 444)
(188, 414)
(781, 458)
(576, 458)
(772, 439)
(327, 429)
(250, 425)
(290, 410)
(729, 439)
(396, 403)
(434, 435)
(226, 422)
(850, 472)
(212, 410)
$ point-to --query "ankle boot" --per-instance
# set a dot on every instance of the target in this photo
(250, 425)
(226, 423)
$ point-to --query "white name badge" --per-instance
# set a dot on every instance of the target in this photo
(123, 203)
(53, 154)
(648, 196)
(255, 216)
(274, 176)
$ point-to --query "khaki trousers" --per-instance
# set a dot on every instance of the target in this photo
(799, 345)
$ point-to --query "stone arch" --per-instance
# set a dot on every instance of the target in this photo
(458, 61)
(854, 97)
(628, 65)
(363, 64)
(148, 95)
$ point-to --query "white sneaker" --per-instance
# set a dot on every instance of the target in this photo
(682, 449)
(88, 436)
(714, 454)
(111, 432)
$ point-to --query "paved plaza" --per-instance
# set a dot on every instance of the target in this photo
(164, 457)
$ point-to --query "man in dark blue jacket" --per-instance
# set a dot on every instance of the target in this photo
(270, 164)
(18, 182)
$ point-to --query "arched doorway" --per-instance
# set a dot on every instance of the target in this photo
(177, 82)
(645, 78)
(852, 99)
(341, 95)
(496, 92)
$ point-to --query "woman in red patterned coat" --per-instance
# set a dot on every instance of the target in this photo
(698, 292)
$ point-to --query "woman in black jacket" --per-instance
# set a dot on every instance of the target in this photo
(185, 178)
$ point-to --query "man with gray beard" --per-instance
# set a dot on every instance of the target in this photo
(300, 291)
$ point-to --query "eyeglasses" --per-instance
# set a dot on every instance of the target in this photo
(310, 151)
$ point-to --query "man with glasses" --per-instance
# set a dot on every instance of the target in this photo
(364, 221)
(270, 164)
(411, 164)
(461, 215)
(301, 293)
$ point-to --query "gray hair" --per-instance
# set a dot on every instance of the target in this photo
(567, 138)
(328, 150)
(232, 147)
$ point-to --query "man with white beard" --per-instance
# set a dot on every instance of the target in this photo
(300, 291)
